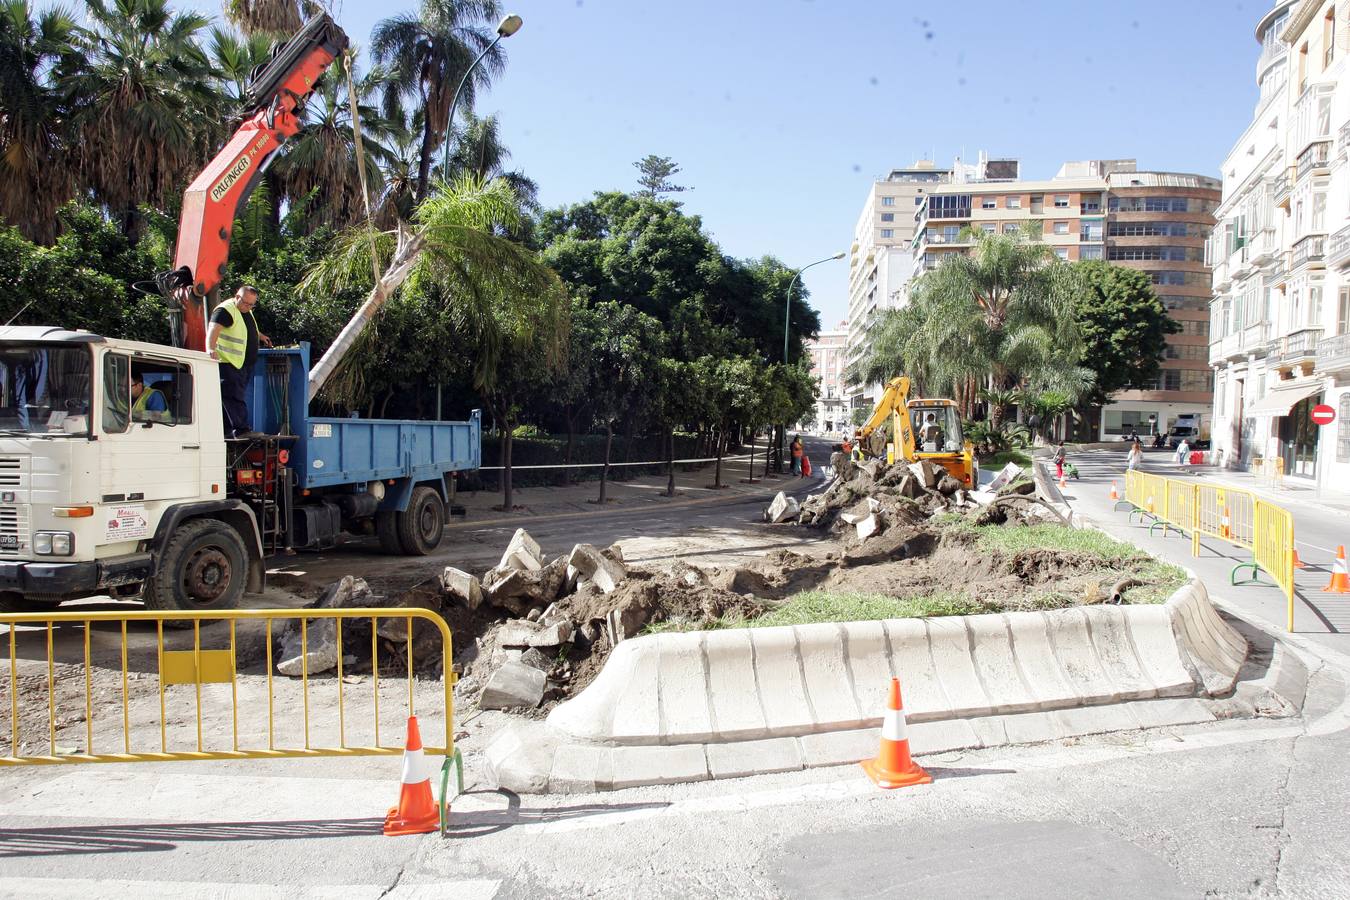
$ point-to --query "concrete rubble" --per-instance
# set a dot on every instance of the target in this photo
(314, 650)
(782, 509)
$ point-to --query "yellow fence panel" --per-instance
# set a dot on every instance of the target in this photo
(147, 693)
(1230, 514)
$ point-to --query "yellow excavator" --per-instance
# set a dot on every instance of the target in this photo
(920, 429)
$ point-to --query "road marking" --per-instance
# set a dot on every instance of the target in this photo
(30, 888)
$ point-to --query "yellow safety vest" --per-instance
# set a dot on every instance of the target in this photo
(139, 408)
(232, 342)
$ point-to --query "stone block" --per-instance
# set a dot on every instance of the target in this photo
(517, 633)
(1006, 476)
(868, 526)
(638, 766)
(522, 553)
(513, 685)
(739, 759)
(782, 509)
(463, 587)
(838, 748)
(320, 635)
(581, 769)
(554, 635)
(604, 572)
(731, 674)
(925, 473)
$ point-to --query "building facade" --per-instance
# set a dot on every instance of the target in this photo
(880, 261)
(828, 361)
(1280, 308)
(1099, 209)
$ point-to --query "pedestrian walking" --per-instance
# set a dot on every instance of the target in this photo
(796, 448)
(1183, 452)
(1060, 455)
(1135, 457)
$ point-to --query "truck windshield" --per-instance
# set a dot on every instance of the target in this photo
(937, 429)
(44, 389)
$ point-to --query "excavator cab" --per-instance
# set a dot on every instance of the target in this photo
(938, 438)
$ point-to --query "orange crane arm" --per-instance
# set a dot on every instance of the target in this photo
(275, 97)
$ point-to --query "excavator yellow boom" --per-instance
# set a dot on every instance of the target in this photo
(892, 404)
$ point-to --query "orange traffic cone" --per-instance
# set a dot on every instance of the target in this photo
(1225, 530)
(1340, 580)
(417, 811)
(1149, 506)
(893, 767)
(1298, 563)
(1115, 495)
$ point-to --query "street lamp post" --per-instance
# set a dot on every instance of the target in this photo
(507, 27)
(787, 322)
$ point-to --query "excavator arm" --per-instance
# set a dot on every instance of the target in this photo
(893, 404)
(275, 97)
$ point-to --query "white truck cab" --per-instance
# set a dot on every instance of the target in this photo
(113, 475)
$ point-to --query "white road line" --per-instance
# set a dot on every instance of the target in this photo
(40, 888)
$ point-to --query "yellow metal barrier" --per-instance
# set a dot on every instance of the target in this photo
(181, 674)
(1229, 514)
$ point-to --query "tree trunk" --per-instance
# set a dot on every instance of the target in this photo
(751, 479)
(670, 462)
(424, 163)
(508, 495)
(604, 470)
(629, 424)
(567, 456)
(721, 447)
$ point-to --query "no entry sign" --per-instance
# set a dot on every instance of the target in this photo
(1323, 414)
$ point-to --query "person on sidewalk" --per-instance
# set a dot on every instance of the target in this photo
(1135, 457)
(1183, 452)
(797, 455)
(1060, 455)
(233, 338)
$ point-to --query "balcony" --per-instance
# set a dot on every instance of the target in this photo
(1281, 188)
(1089, 208)
(1333, 354)
(1309, 251)
(949, 239)
(1296, 348)
(1343, 140)
(1255, 337)
(1221, 278)
(1261, 246)
(1315, 160)
(1338, 248)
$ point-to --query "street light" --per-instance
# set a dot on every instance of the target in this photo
(507, 27)
(787, 322)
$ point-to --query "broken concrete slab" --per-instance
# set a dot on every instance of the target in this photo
(554, 635)
(517, 633)
(868, 526)
(947, 485)
(522, 553)
(462, 587)
(1007, 475)
(318, 641)
(514, 685)
(925, 473)
(590, 563)
(782, 509)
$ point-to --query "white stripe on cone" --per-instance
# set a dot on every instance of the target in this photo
(1338, 567)
(414, 767)
(893, 726)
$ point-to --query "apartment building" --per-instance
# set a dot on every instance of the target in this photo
(827, 353)
(1280, 308)
(1099, 209)
(880, 262)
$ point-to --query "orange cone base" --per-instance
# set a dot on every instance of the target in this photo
(888, 779)
(423, 824)
(1338, 585)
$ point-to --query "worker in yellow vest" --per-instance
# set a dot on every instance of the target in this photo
(233, 338)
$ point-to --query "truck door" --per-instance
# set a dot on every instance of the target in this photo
(153, 441)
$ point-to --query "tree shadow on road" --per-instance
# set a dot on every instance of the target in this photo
(74, 840)
(481, 823)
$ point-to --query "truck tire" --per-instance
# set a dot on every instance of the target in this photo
(204, 566)
(421, 525)
(386, 529)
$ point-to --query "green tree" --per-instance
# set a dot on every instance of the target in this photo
(427, 54)
(624, 367)
(479, 151)
(735, 394)
(36, 163)
(1124, 328)
(654, 176)
(1000, 317)
(268, 18)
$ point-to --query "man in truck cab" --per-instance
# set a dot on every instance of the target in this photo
(233, 338)
(147, 404)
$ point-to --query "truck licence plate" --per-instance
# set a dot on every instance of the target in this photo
(9, 540)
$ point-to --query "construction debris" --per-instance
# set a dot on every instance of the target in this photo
(782, 509)
(313, 649)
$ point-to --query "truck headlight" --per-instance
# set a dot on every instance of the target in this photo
(54, 543)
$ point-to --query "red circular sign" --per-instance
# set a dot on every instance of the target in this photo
(1323, 414)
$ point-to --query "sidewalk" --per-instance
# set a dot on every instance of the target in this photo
(690, 487)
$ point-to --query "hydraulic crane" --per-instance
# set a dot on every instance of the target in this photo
(274, 106)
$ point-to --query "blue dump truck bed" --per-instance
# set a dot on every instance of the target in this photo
(332, 452)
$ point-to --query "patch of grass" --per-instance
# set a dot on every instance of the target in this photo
(1054, 537)
(832, 606)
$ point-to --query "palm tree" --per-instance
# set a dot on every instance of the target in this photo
(149, 111)
(35, 163)
(235, 56)
(479, 151)
(272, 18)
(319, 167)
(427, 55)
(998, 318)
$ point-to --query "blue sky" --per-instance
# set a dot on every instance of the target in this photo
(781, 113)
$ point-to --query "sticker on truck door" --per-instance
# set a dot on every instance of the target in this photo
(125, 523)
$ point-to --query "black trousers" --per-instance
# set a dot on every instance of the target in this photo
(233, 389)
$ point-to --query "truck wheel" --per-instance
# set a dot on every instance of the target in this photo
(386, 529)
(204, 566)
(421, 524)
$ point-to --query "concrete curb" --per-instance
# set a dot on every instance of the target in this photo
(680, 707)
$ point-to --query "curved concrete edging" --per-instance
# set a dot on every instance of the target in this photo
(760, 683)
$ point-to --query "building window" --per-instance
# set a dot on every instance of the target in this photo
(1061, 201)
(1089, 252)
(1062, 252)
(1319, 212)
(1061, 228)
(1303, 67)
(989, 228)
(1329, 37)
(888, 232)
(1343, 313)
(988, 203)
(888, 217)
(949, 233)
(1196, 380)
(1009, 227)
(1315, 306)
(1012, 202)
(918, 201)
(1192, 327)
(949, 206)
(887, 201)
